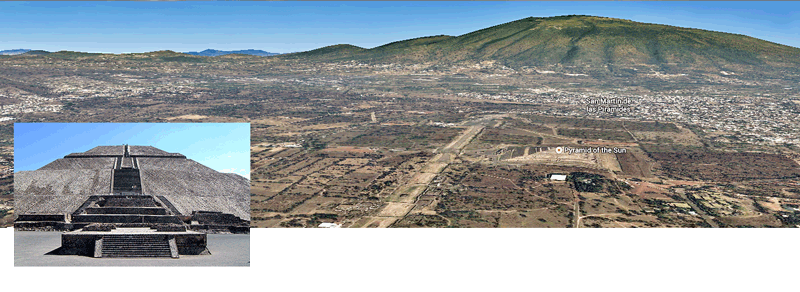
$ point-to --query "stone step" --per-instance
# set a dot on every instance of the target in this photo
(127, 179)
(130, 201)
(136, 245)
(126, 162)
(126, 210)
(127, 250)
(139, 254)
(125, 218)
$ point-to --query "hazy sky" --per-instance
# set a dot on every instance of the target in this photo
(282, 27)
(222, 147)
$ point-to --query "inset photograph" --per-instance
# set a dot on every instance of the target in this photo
(141, 194)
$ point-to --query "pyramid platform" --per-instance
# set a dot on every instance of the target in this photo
(131, 201)
(133, 242)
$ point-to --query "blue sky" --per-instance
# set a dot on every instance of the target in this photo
(125, 27)
(222, 147)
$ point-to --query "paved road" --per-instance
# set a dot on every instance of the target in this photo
(462, 140)
(449, 153)
(577, 213)
(30, 248)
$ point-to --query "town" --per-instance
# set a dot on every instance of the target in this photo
(360, 144)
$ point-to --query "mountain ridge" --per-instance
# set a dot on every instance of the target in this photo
(581, 43)
(214, 53)
(14, 52)
(204, 53)
(578, 40)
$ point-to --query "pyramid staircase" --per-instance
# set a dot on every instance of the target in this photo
(132, 219)
(132, 214)
(124, 211)
(127, 222)
(126, 206)
(137, 245)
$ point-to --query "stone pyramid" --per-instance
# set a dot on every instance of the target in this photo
(61, 194)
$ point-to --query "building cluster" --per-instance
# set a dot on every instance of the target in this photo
(27, 103)
(711, 102)
(762, 120)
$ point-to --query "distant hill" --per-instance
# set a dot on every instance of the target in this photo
(598, 43)
(156, 56)
(70, 54)
(330, 52)
(167, 56)
(214, 53)
(14, 52)
(37, 52)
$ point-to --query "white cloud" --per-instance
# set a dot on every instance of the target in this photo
(242, 172)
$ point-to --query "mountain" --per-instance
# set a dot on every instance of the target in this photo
(330, 52)
(599, 43)
(156, 56)
(14, 52)
(214, 53)
(36, 53)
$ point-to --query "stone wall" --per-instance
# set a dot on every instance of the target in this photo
(192, 244)
(73, 244)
